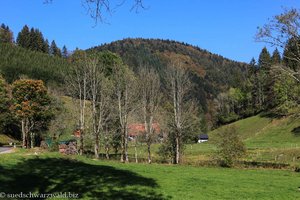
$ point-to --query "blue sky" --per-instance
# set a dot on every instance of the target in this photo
(225, 27)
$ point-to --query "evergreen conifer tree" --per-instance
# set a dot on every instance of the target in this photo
(46, 46)
(23, 38)
(6, 35)
(264, 60)
(276, 58)
(54, 50)
(291, 54)
(64, 52)
(264, 78)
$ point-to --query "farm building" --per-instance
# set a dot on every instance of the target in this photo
(202, 138)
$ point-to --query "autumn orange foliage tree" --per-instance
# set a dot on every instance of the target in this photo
(31, 104)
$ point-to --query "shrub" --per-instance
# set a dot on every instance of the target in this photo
(230, 146)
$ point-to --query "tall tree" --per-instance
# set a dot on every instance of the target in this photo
(31, 104)
(291, 54)
(253, 66)
(183, 108)
(23, 38)
(100, 95)
(149, 83)
(264, 77)
(54, 50)
(125, 95)
(6, 35)
(46, 46)
(276, 58)
(40, 42)
(264, 60)
(64, 52)
(77, 82)
(33, 37)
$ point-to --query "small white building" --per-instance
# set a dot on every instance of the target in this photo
(202, 138)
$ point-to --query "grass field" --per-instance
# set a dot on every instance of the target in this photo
(267, 140)
(26, 172)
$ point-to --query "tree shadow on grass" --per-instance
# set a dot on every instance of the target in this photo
(296, 131)
(54, 175)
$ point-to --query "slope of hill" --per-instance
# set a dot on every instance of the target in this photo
(16, 61)
(211, 73)
(263, 132)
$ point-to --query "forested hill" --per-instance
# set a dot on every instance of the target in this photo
(214, 73)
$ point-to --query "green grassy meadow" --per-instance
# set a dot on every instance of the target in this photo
(23, 171)
(269, 140)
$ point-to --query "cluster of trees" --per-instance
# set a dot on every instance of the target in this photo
(26, 108)
(273, 83)
(111, 94)
(275, 91)
(266, 89)
(31, 39)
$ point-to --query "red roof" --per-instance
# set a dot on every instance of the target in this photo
(136, 129)
(77, 133)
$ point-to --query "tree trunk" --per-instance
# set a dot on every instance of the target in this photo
(177, 150)
(122, 147)
(81, 142)
(97, 146)
(26, 130)
(23, 134)
(107, 152)
(149, 153)
(135, 152)
(126, 145)
(31, 140)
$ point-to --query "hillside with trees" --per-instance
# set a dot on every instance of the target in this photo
(30, 55)
(211, 74)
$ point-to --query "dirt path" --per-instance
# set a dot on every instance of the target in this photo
(6, 150)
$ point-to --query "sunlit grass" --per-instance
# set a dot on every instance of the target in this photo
(97, 179)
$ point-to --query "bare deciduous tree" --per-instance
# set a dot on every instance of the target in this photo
(184, 108)
(77, 82)
(150, 99)
(125, 91)
(100, 97)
